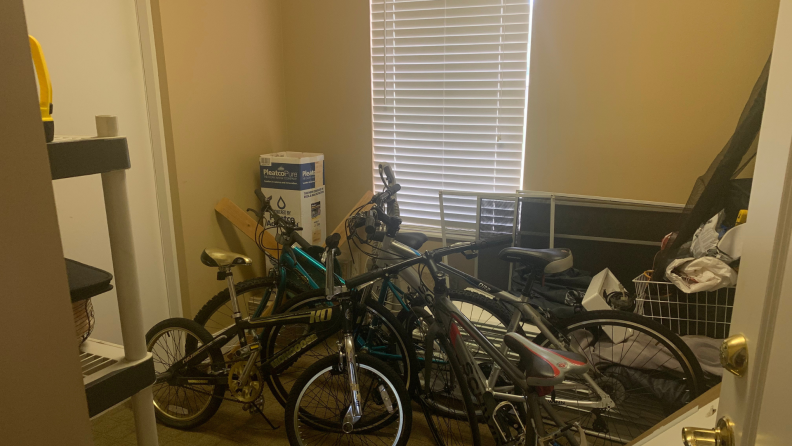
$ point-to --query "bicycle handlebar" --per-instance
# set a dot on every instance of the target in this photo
(429, 258)
(331, 242)
(291, 229)
(495, 241)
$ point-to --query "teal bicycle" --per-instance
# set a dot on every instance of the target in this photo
(298, 276)
(296, 270)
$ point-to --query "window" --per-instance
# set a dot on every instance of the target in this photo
(449, 82)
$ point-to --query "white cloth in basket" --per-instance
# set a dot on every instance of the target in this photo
(704, 274)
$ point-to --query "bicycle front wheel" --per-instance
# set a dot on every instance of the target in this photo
(647, 371)
(379, 332)
(318, 404)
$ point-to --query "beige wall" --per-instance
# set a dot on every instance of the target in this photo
(327, 73)
(221, 72)
(43, 399)
(634, 99)
(627, 99)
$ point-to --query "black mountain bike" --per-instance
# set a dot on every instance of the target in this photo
(641, 371)
(193, 374)
(454, 391)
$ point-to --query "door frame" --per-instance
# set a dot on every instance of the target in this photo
(159, 155)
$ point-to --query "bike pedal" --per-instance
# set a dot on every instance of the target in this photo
(386, 401)
(510, 426)
(551, 438)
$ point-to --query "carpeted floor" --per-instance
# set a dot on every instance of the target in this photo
(230, 426)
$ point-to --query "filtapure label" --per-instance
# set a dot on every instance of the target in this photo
(290, 176)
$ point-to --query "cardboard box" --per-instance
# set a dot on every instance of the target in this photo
(295, 181)
(602, 284)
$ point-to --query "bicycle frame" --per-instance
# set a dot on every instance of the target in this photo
(448, 321)
(288, 261)
(326, 321)
(521, 311)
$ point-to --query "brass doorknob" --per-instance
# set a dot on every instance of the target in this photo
(722, 435)
(734, 354)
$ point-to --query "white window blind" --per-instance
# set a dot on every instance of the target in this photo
(449, 94)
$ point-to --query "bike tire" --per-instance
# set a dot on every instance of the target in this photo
(387, 378)
(462, 428)
(610, 427)
(164, 393)
(218, 307)
(405, 365)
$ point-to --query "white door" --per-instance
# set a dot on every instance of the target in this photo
(94, 53)
(758, 402)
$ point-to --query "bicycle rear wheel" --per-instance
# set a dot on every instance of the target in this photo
(183, 407)
(446, 400)
(647, 370)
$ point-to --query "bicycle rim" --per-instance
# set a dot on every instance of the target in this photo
(176, 403)
(374, 333)
(647, 376)
(318, 413)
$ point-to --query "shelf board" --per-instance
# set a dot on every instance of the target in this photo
(109, 378)
(75, 156)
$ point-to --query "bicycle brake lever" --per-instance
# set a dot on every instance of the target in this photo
(255, 212)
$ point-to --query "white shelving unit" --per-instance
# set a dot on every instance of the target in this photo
(112, 373)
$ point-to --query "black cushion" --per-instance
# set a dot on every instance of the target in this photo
(412, 239)
(552, 260)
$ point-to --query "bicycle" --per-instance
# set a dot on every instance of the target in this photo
(296, 270)
(538, 367)
(604, 401)
(192, 373)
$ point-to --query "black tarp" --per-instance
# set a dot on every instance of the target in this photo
(711, 191)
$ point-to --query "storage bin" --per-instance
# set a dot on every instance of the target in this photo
(706, 313)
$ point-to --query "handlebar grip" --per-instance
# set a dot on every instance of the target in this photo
(395, 187)
(389, 174)
(358, 221)
(261, 196)
(332, 240)
(371, 223)
(495, 241)
(297, 238)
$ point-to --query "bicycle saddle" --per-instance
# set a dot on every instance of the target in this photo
(543, 366)
(412, 239)
(218, 258)
(551, 261)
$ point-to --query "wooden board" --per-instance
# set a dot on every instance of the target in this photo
(245, 223)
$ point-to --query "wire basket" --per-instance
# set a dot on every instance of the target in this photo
(706, 313)
(84, 319)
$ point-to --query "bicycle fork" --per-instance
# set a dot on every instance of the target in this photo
(354, 412)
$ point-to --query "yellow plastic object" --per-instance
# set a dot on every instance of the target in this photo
(742, 217)
(45, 88)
